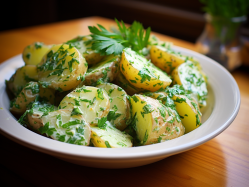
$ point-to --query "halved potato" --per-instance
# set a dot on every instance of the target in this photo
(93, 103)
(66, 126)
(189, 111)
(192, 80)
(119, 105)
(61, 68)
(33, 54)
(110, 137)
(84, 44)
(28, 95)
(198, 65)
(141, 73)
(165, 58)
(22, 76)
(105, 71)
(152, 121)
(162, 96)
(36, 112)
(125, 84)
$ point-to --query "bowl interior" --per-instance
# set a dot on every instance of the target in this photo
(224, 102)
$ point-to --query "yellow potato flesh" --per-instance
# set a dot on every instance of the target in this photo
(62, 68)
(165, 59)
(143, 124)
(33, 54)
(188, 112)
(110, 137)
(141, 73)
(22, 76)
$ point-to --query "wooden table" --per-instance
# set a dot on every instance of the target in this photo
(223, 161)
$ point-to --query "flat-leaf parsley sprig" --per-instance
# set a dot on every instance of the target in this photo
(106, 42)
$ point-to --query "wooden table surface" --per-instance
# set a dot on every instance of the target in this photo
(222, 161)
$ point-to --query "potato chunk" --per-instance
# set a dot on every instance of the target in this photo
(126, 85)
(188, 109)
(84, 44)
(153, 121)
(93, 103)
(110, 137)
(192, 80)
(119, 105)
(141, 73)
(28, 95)
(61, 68)
(36, 112)
(22, 76)
(66, 126)
(33, 54)
(104, 71)
(165, 58)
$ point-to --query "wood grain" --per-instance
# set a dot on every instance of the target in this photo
(222, 161)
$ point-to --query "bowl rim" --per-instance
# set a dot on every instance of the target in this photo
(52, 147)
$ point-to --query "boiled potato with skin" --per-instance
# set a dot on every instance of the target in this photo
(165, 58)
(61, 68)
(22, 76)
(66, 126)
(162, 96)
(153, 121)
(92, 102)
(141, 73)
(28, 95)
(198, 65)
(83, 44)
(110, 137)
(119, 105)
(105, 71)
(33, 54)
(192, 80)
(125, 84)
(36, 112)
(188, 109)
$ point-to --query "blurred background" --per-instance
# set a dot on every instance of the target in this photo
(177, 18)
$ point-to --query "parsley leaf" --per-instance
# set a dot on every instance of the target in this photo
(106, 42)
(102, 123)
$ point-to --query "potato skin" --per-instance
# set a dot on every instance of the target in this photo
(83, 44)
(35, 121)
(26, 96)
(61, 68)
(104, 71)
(158, 122)
(125, 84)
(22, 76)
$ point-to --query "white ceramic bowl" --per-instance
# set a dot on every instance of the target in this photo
(223, 107)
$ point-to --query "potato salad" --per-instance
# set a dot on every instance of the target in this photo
(114, 88)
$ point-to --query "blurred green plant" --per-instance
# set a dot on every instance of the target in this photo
(226, 16)
(226, 8)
